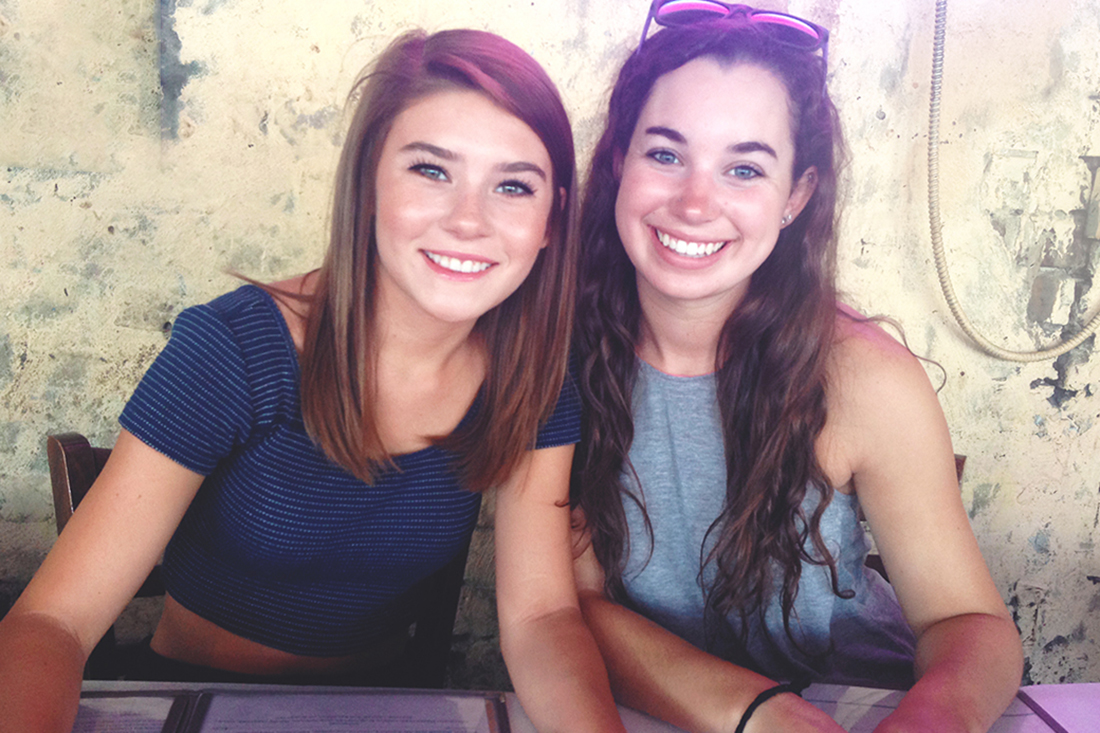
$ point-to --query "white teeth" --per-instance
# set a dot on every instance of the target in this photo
(689, 249)
(456, 265)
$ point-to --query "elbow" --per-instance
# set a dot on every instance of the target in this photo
(991, 637)
(973, 663)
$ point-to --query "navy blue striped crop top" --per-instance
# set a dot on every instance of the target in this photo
(280, 545)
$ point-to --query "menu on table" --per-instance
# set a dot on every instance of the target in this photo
(245, 711)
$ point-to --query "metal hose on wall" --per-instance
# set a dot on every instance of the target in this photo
(937, 224)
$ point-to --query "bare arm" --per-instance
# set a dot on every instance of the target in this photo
(969, 668)
(95, 567)
(553, 661)
(656, 671)
(40, 670)
(891, 427)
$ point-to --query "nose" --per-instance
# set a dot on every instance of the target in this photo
(466, 219)
(697, 199)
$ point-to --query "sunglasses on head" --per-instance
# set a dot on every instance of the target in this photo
(788, 30)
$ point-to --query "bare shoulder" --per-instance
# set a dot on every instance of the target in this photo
(878, 394)
(867, 360)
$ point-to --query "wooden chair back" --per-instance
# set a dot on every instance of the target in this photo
(74, 466)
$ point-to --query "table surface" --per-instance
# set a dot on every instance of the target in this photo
(1071, 708)
(1067, 708)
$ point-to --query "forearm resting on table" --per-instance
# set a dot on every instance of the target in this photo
(558, 674)
(41, 665)
(968, 669)
(657, 672)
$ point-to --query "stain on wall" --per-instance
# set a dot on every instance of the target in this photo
(150, 146)
(174, 74)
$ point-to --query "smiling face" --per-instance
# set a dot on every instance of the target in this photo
(464, 192)
(707, 181)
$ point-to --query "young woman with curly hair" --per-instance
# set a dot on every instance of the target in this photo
(738, 415)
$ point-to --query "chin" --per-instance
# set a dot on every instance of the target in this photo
(459, 315)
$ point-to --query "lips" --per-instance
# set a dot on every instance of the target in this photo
(687, 248)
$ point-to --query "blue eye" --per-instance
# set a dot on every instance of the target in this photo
(429, 170)
(745, 172)
(664, 157)
(515, 188)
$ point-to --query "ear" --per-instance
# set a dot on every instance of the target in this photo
(617, 165)
(803, 189)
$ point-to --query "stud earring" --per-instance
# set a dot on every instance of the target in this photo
(785, 220)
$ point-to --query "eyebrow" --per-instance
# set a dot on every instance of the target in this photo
(432, 149)
(521, 166)
(746, 147)
(524, 167)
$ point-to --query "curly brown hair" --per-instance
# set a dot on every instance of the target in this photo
(772, 351)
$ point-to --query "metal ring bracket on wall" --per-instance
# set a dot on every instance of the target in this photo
(937, 225)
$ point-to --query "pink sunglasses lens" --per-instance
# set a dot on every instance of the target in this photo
(789, 29)
(688, 12)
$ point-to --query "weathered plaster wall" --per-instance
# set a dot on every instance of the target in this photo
(1021, 110)
(147, 146)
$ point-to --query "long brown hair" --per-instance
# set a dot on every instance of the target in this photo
(772, 350)
(526, 336)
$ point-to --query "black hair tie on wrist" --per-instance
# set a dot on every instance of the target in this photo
(763, 697)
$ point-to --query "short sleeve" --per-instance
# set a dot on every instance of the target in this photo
(193, 404)
(564, 425)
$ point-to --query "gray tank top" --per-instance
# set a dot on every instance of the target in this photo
(679, 459)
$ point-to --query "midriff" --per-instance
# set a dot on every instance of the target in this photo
(187, 637)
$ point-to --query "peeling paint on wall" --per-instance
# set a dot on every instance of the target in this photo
(174, 74)
(7, 355)
(984, 496)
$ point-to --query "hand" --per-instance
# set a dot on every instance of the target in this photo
(581, 536)
(790, 714)
(588, 573)
(586, 568)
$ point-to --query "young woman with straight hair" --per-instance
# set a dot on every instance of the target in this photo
(304, 452)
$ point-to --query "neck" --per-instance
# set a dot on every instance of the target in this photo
(408, 341)
(680, 337)
(418, 350)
